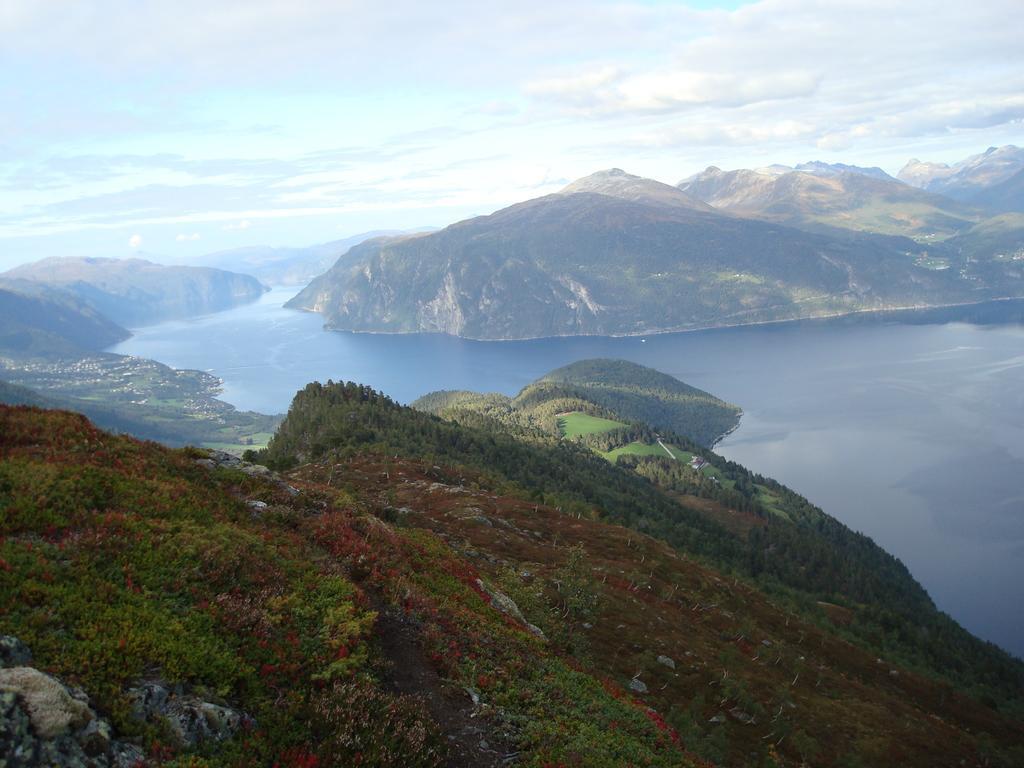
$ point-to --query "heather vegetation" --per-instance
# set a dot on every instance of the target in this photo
(123, 561)
(742, 523)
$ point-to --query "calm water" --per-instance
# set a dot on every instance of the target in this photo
(911, 433)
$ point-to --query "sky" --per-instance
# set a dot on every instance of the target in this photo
(180, 128)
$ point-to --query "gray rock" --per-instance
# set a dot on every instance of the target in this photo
(43, 722)
(507, 605)
(637, 685)
(743, 717)
(666, 661)
(13, 652)
(256, 504)
(717, 719)
(191, 719)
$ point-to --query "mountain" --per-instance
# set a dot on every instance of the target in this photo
(40, 323)
(624, 186)
(135, 292)
(837, 198)
(1005, 196)
(632, 258)
(971, 179)
(835, 169)
(287, 266)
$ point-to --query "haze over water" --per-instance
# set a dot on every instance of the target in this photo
(913, 434)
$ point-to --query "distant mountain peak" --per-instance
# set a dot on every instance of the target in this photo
(974, 179)
(821, 168)
(615, 182)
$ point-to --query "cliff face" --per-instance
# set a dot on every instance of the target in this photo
(136, 292)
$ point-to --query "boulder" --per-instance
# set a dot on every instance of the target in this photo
(50, 706)
(666, 661)
(507, 605)
(637, 686)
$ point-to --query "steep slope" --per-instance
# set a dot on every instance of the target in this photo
(625, 263)
(970, 179)
(839, 198)
(45, 324)
(217, 615)
(719, 513)
(735, 661)
(136, 292)
(1005, 196)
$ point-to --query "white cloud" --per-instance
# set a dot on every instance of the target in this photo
(135, 242)
(169, 128)
(184, 238)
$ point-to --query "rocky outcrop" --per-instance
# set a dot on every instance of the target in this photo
(224, 460)
(45, 722)
(191, 719)
(507, 605)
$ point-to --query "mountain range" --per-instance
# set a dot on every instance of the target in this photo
(993, 178)
(842, 198)
(135, 292)
(614, 253)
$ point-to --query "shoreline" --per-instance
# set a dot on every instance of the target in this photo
(668, 331)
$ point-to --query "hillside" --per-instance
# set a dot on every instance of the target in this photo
(1000, 238)
(135, 292)
(642, 394)
(373, 609)
(36, 323)
(744, 524)
(141, 398)
(755, 530)
(1005, 196)
(627, 262)
(846, 199)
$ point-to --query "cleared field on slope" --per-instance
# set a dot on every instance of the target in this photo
(578, 424)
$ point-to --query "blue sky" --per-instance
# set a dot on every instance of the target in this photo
(187, 127)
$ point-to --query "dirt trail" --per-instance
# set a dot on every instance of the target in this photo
(471, 741)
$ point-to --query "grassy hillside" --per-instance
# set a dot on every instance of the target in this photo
(346, 639)
(745, 525)
(380, 610)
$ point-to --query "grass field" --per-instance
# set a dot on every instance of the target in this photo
(643, 449)
(577, 424)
